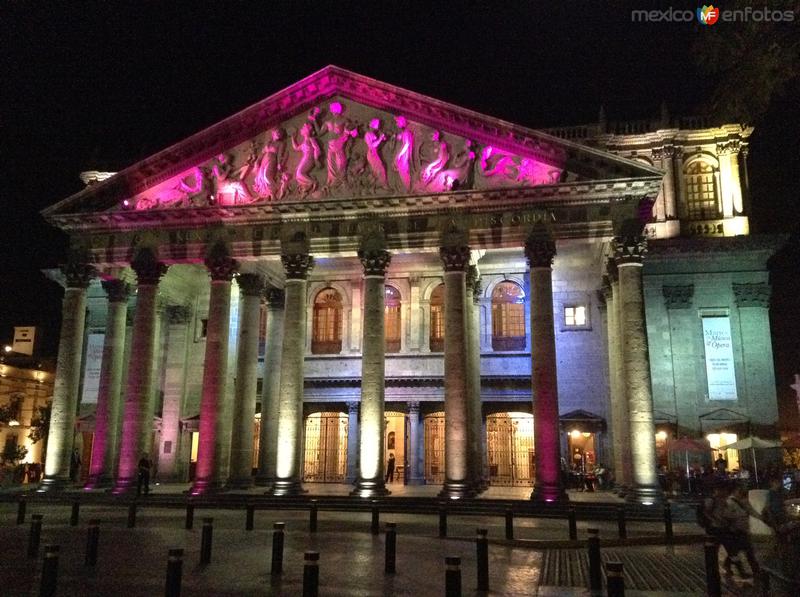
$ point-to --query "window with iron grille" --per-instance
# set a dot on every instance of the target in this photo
(327, 326)
(508, 317)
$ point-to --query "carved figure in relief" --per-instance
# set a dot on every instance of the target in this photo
(403, 155)
(309, 157)
(439, 158)
(373, 139)
(271, 176)
(495, 163)
(458, 175)
(229, 189)
(194, 189)
(340, 131)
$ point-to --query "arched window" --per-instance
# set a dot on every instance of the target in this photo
(327, 331)
(392, 319)
(701, 191)
(508, 317)
(437, 319)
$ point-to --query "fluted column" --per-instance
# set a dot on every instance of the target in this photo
(213, 450)
(457, 482)
(271, 388)
(548, 487)
(137, 423)
(370, 441)
(109, 398)
(244, 398)
(68, 370)
(628, 254)
(288, 470)
(413, 457)
(474, 377)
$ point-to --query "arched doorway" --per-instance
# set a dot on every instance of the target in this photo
(434, 448)
(509, 442)
(325, 454)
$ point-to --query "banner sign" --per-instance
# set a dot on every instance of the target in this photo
(719, 358)
(91, 370)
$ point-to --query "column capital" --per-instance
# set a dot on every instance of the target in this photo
(678, 297)
(629, 249)
(221, 266)
(276, 297)
(751, 295)
(474, 283)
(540, 251)
(117, 291)
(612, 271)
(178, 314)
(148, 268)
(455, 258)
(250, 284)
(297, 265)
(78, 274)
(413, 407)
(352, 409)
(605, 289)
(375, 261)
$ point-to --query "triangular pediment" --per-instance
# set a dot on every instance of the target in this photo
(336, 134)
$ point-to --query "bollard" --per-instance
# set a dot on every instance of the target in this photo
(621, 523)
(312, 517)
(452, 576)
(172, 587)
(595, 566)
(92, 538)
(573, 525)
(442, 522)
(311, 574)
(34, 536)
(615, 579)
(250, 520)
(189, 516)
(668, 522)
(22, 506)
(391, 548)
(482, 549)
(374, 528)
(277, 548)
(509, 524)
(205, 541)
(49, 571)
(713, 588)
(76, 509)
(132, 515)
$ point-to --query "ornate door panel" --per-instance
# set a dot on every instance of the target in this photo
(509, 442)
(325, 457)
(434, 448)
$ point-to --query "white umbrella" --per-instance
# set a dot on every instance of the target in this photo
(751, 443)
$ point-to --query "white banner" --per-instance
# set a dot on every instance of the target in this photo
(24, 338)
(719, 358)
(91, 369)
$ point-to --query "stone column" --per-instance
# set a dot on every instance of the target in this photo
(137, 423)
(288, 470)
(668, 164)
(370, 440)
(540, 252)
(457, 482)
(352, 442)
(244, 398)
(109, 394)
(474, 377)
(271, 388)
(628, 253)
(213, 450)
(68, 371)
(415, 466)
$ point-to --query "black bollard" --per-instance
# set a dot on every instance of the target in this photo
(482, 549)
(22, 506)
(312, 517)
(92, 538)
(713, 588)
(250, 520)
(375, 527)
(391, 548)
(172, 587)
(76, 510)
(132, 515)
(573, 525)
(452, 576)
(668, 522)
(615, 580)
(595, 565)
(205, 541)
(189, 516)
(35, 536)
(442, 522)
(49, 571)
(509, 524)
(621, 523)
(277, 548)
(311, 574)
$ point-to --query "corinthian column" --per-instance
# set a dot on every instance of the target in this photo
(473, 316)
(104, 446)
(213, 450)
(271, 388)
(548, 486)
(137, 424)
(370, 443)
(290, 411)
(68, 370)
(244, 398)
(628, 253)
(457, 483)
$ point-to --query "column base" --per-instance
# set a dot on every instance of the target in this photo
(206, 487)
(264, 481)
(53, 484)
(367, 488)
(549, 494)
(98, 482)
(286, 487)
(456, 490)
(647, 495)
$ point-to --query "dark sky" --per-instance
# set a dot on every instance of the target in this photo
(88, 85)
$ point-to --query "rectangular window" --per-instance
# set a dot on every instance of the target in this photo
(575, 316)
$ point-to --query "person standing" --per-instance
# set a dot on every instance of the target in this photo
(390, 469)
(74, 465)
(144, 475)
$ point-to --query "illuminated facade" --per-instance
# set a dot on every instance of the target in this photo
(348, 270)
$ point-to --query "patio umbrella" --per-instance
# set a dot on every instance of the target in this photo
(751, 443)
(686, 445)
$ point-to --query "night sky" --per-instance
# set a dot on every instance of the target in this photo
(100, 86)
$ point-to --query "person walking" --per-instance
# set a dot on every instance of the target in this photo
(143, 481)
(390, 469)
(738, 514)
(717, 525)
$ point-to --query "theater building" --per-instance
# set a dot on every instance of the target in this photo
(348, 271)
